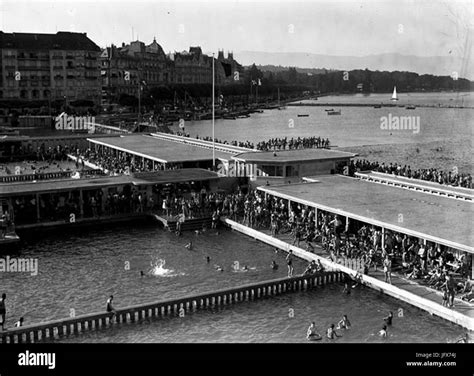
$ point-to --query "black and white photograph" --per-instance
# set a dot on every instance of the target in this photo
(237, 172)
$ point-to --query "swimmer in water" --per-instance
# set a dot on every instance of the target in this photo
(245, 268)
(208, 259)
(358, 280)
(219, 268)
(389, 318)
(344, 323)
(19, 323)
(197, 232)
(141, 273)
(383, 332)
(347, 286)
(463, 339)
(274, 265)
(189, 246)
(311, 333)
(331, 332)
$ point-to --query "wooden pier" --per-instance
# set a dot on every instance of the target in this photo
(462, 315)
(174, 307)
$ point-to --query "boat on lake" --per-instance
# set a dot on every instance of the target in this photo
(394, 94)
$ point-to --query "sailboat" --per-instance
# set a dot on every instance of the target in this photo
(394, 95)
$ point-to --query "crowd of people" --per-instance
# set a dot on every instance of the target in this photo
(429, 263)
(121, 163)
(342, 325)
(276, 143)
(293, 143)
(453, 177)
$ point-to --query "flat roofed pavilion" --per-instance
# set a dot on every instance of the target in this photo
(295, 163)
(435, 218)
(143, 178)
(289, 156)
(160, 150)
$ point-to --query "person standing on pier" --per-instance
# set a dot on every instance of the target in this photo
(3, 311)
(450, 289)
(110, 307)
(289, 261)
(387, 268)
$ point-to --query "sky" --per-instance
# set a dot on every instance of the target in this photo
(348, 28)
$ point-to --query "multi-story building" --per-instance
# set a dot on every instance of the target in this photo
(61, 66)
(236, 70)
(191, 67)
(123, 68)
(194, 67)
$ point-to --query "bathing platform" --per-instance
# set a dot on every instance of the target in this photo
(408, 291)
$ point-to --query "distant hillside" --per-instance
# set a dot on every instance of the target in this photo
(436, 65)
(279, 68)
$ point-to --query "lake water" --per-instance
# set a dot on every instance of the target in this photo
(356, 126)
(78, 271)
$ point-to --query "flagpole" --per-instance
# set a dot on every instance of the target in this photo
(213, 118)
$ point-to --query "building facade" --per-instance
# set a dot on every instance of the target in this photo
(123, 68)
(62, 66)
(69, 67)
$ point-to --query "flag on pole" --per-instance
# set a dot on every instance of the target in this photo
(227, 69)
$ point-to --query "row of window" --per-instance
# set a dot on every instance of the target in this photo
(11, 54)
(46, 94)
(34, 78)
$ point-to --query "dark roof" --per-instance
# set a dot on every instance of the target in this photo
(146, 178)
(30, 187)
(176, 176)
(287, 156)
(62, 40)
